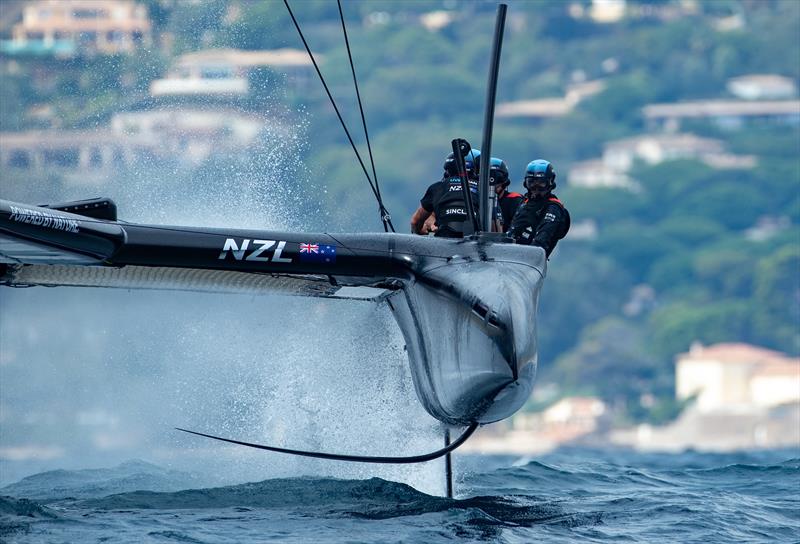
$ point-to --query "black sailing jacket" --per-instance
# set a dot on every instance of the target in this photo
(540, 222)
(446, 199)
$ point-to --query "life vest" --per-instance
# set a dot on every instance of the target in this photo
(535, 216)
(506, 207)
(451, 208)
(566, 214)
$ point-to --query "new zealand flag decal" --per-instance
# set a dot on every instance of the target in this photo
(317, 253)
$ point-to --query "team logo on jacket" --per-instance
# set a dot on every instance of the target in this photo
(255, 250)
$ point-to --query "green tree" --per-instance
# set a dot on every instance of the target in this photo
(622, 100)
(611, 358)
(582, 287)
(675, 326)
(777, 299)
(635, 247)
(727, 273)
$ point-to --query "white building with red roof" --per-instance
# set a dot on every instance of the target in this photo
(737, 376)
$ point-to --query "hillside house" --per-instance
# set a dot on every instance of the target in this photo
(68, 27)
(226, 71)
(762, 87)
(733, 376)
(728, 114)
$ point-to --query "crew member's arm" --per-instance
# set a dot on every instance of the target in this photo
(551, 228)
(425, 210)
(519, 227)
(418, 220)
(509, 206)
(497, 218)
(430, 224)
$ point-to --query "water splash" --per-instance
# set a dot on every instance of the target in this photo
(92, 377)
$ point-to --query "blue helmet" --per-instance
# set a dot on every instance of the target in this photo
(471, 161)
(541, 175)
(498, 172)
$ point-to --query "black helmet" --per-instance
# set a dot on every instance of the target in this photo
(498, 172)
(471, 161)
(541, 175)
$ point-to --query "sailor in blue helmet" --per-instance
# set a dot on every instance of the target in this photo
(507, 202)
(443, 209)
(541, 220)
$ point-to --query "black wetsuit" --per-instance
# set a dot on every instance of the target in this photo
(445, 198)
(507, 205)
(540, 222)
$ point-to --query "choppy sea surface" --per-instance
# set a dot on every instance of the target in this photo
(566, 496)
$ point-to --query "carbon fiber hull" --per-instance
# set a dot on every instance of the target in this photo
(466, 308)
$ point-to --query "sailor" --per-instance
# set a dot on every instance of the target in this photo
(541, 220)
(507, 202)
(443, 209)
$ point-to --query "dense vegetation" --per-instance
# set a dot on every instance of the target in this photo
(670, 264)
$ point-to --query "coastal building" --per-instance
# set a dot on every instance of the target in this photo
(619, 156)
(728, 114)
(583, 230)
(739, 396)
(546, 108)
(437, 20)
(183, 135)
(762, 87)
(607, 11)
(567, 420)
(766, 227)
(595, 173)
(226, 72)
(69, 27)
(190, 135)
(736, 376)
(542, 108)
(579, 414)
(657, 148)
(614, 11)
(81, 156)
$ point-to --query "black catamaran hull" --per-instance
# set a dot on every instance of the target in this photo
(466, 308)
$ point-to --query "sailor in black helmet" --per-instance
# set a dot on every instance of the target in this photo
(507, 202)
(444, 201)
(541, 220)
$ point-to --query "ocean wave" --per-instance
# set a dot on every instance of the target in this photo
(276, 493)
(17, 515)
(10, 506)
(372, 499)
(560, 498)
(91, 483)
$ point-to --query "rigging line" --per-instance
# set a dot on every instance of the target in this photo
(335, 107)
(385, 218)
(352, 458)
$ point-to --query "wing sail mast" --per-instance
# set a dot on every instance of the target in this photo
(488, 118)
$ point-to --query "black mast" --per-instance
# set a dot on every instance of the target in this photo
(488, 119)
(461, 149)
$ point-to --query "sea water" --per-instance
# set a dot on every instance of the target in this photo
(572, 495)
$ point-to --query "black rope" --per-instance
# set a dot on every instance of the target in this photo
(387, 220)
(383, 210)
(352, 458)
